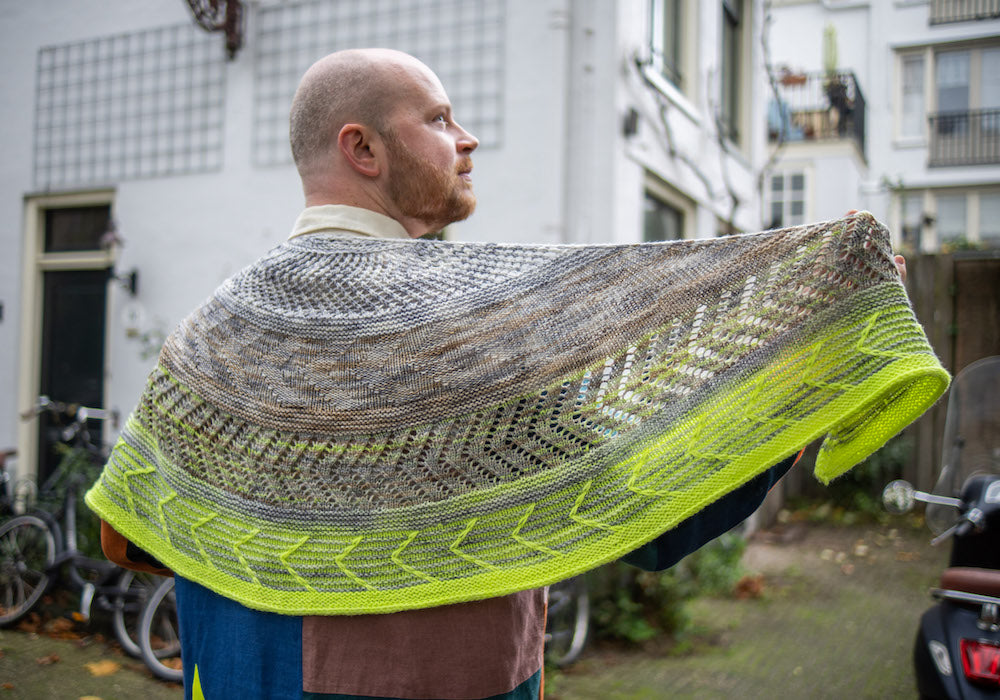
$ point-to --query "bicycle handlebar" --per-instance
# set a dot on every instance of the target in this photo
(78, 412)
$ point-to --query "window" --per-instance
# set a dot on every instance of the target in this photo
(913, 108)
(952, 76)
(966, 119)
(788, 199)
(913, 217)
(989, 219)
(661, 221)
(76, 228)
(956, 91)
(732, 53)
(989, 76)
(963, 216)
(667, 38)
(951, 218)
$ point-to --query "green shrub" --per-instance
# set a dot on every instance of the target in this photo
(860, 489)
(633, 606)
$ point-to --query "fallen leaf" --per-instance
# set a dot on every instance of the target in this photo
(89, 697)
(907, 556)
(104, 667)
(47, 660)
(7, 686)
(78, 616)
(173, 662)
(59, 626)
(30, 624)
(749, 587)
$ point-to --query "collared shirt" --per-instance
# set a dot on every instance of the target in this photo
(347, 219)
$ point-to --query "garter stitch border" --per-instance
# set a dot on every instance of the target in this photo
(364, 426)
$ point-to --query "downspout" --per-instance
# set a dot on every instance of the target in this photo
(578, 148)
(561, 18)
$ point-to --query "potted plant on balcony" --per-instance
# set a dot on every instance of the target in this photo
(790, 78)
(834, 84)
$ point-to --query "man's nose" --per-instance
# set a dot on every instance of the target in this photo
(466, 142)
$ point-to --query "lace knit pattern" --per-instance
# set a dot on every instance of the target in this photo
(358, 426)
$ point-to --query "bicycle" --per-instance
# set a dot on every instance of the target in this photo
(6, 492)
(159, 636)
(14, 494)
(568, 621)
(35, 548)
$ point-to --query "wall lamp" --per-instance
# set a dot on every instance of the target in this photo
(128, 281)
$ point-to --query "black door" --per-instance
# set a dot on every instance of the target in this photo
(73, 326)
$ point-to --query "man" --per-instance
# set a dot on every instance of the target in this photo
(257, 483)
(380, 155)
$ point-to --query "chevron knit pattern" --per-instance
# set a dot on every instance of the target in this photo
(361, 426)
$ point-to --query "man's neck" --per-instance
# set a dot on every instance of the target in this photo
(414, 228)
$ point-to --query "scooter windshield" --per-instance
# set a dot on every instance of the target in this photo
(971, 443)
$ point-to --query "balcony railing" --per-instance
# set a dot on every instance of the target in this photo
(946, 11)
(965, 138)
(818, 107)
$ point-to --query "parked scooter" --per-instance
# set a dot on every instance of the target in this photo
(957, 650)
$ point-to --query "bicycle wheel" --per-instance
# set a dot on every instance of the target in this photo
(567, 621)
(28, 547)
(133, 590)
(159, 638)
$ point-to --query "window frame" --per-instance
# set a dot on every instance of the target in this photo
(658, 11)
(732, 74)
(685, 96)
(921, 136)
(658, 189)
(787, 173)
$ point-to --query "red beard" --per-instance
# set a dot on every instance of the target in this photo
(424, 192)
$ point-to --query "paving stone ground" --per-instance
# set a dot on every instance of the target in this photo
(836, 619)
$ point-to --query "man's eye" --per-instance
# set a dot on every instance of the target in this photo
(440, 118)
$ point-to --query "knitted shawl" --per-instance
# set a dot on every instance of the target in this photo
(352, 425)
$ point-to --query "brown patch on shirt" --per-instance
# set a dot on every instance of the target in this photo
(453, 652)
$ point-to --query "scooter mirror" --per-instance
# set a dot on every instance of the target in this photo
(898, 497)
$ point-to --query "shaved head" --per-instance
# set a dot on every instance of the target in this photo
(353, 86)
(373, 128)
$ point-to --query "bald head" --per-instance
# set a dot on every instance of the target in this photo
(354, 86)
(373, 128)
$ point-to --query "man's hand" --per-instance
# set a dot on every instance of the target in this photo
(899, 259)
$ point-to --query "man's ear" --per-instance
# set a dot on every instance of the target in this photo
(355, 142)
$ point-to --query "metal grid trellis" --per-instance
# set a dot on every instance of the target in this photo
(463, 42)
(128, 106)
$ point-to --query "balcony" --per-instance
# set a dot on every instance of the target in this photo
(948, 11)
(965, 138)
(817, 107)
